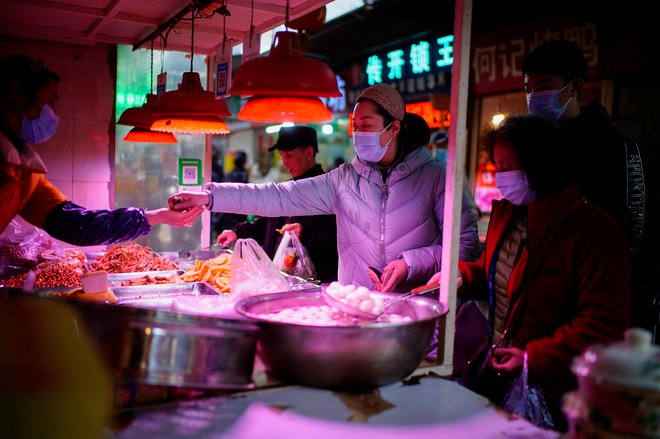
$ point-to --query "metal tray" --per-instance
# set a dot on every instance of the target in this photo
(160, 296)
(114, 278)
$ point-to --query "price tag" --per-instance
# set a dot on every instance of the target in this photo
(251, 47)
(223, 69)
(161, 83)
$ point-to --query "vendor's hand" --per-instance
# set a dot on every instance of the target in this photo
(172, 217)
(187, 200)
(393, 274)
(509, 360)
(293, 228)
(435, 279)
(226, 238)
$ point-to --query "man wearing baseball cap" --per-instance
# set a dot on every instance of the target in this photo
(298, 146)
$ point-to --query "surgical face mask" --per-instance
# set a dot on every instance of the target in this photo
(514, 187)
(367, 145)
(546, 103)
(40, 129)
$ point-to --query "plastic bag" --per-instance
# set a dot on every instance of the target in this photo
(526, 400)
(20, 246)
(292, 258)
(252, 271)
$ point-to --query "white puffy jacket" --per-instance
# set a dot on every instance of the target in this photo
(377, 222)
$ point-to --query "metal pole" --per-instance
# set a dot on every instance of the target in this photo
(455, 174)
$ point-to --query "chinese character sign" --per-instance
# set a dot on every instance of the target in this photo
(415, 70)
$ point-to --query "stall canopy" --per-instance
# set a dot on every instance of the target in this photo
(133, 22)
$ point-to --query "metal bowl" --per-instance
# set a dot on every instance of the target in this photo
(159, 347)
(365, 355)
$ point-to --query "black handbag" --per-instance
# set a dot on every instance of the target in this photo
(479, 377)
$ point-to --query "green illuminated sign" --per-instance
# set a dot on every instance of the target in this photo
(415, 59)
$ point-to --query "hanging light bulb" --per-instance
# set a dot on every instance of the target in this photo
(145, 135)
(278, 109)
(143, 117)
(190, 109)
(285, 85)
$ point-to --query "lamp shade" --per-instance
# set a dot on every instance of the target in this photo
(190, 124)
(143, 135)
(190, 99)
(141, 117)
(190, 109)
(285, 72)
(278, 109)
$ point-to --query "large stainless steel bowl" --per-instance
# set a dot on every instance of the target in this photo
(342, 357)
(159, 347)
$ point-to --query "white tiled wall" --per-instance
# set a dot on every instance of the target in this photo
(79, 157)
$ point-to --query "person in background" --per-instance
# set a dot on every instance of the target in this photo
(438, 146)
(389, 201)
(608, 167)
(29, 94)
(298, 146)
(239, 174)
(556, 285)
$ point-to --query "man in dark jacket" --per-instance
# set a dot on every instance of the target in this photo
(298, 147)
(607, 165)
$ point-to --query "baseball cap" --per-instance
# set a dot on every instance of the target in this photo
(388, 98)
(295, 136)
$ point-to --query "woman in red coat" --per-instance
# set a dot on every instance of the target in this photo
(557, 268)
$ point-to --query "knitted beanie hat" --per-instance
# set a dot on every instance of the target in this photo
(388, 98)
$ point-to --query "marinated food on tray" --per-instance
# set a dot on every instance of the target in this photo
(131, 257)
(150, 280)
(48, 275)
(78, 294)
(215, 271)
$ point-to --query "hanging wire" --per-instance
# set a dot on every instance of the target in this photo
(251, 23)
(151, 73)
(192, 39)
(225, 12)
(163, 42)
(286, 16)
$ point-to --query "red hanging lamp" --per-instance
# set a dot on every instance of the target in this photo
(285, 72)
(190, 109)
(143, 117)
(285, 86)
(280, 109)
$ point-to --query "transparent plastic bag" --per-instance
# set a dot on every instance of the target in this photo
(252, 271)
(20, 246)
(292, 257)
(526, 400)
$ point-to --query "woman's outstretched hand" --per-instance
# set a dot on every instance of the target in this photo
(187, 200)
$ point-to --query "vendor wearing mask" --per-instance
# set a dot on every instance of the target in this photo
(388, 201)
(29, 94)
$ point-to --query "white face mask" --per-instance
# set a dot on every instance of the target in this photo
(514, 187)
(367, 145)
(40, 129)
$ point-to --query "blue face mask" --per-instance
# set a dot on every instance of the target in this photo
(367, 145)
(546, 103)
(40, 129)
(513, 186)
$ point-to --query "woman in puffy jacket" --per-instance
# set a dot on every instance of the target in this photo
(388, 201)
